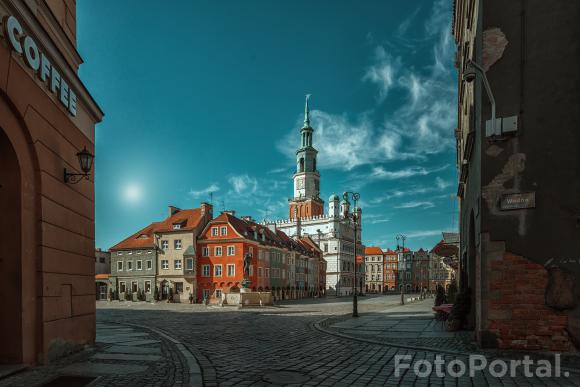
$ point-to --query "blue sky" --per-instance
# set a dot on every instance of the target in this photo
(207, 96)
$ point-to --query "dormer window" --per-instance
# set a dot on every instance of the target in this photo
(177, 226)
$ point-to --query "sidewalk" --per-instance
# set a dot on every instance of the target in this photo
(409, 325)
(121, 355)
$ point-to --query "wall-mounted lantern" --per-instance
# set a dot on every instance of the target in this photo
(86, 163)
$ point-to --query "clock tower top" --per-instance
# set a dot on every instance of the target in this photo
(306, 201)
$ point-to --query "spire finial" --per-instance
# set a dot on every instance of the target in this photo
(307, 112)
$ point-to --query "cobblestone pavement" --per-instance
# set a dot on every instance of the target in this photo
(281, 345)
(124, 355)
(408, 325)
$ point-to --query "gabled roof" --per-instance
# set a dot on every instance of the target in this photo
(144, 238)
(190, 251)
(373, 250)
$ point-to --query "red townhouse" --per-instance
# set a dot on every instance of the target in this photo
(391, 271)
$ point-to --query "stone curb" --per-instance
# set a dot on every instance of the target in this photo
(319, 325)
(195, 373)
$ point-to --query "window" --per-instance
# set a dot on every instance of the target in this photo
(205, 251)
(119, 265)
(119, 253)
(129, 265)
(218, 293)
(217, 270)
(326, 247)
(231, 250)
(139, 265)
(122, 287)
(139, 252)
(260, 272)
(149, 265)
(205, 270)
(134, 287)
(223, 231)
(164, 245)
(102, 260)
(129, 253)
(205, 293)
(267, 272)
(214, 231)
(179, 287)
(218, 251)
(231, 270)
(177, 264)
(147, 286)
(177, 226)
(177, 244)
(189, 264)
(165, 264)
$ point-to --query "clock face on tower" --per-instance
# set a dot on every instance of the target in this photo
(300, 183)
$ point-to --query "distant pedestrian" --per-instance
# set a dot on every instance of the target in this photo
(190, 298)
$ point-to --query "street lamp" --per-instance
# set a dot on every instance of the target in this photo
(402, 238)
(469, 74)
(86, 163)
(355, 198)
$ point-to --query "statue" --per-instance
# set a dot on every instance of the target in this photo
(247, 263)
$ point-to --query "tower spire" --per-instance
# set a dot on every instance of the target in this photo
(306, 113)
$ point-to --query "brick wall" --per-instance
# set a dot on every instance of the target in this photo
(516, 313)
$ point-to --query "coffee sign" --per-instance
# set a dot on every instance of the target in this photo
(39, 63)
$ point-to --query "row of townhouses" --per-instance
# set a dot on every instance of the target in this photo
(392, 270)
(191, 254)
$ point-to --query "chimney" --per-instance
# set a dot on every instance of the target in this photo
(248, 218)
(229, 212)
(173, 210)
(206, 209)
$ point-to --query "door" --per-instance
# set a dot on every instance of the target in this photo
(102, 292)
(10, 254)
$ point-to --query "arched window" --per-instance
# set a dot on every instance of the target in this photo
(301, 164)
(314, 165)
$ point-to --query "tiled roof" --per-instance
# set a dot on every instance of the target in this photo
(373, 250)
(188, 219)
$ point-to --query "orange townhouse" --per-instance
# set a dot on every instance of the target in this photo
(221, 248)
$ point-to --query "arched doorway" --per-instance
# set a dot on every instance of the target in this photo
(10, 253)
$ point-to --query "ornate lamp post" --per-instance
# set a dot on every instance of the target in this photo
(86, 163)
(354, 216)
(402, 238)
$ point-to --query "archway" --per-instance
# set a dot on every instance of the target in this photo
(10, 253)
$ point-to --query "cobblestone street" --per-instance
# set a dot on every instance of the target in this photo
(163, 344)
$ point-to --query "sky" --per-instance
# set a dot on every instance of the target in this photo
(204, 100)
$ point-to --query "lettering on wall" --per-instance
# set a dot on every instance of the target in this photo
(39, 63)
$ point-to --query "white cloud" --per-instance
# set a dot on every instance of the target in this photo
(243, 184)
(205, 191)
(416, 126)
(383, 71)
(424, 205)
(438, 186)
(423, 233)
(380, 173)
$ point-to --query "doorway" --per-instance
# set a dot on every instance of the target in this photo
(10, 254)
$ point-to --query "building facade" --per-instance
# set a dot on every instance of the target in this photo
(405, 268)
(286, 267)
(374, 275)
(391, 271)
(47, 228)
(420, 269)
(518, 173)
(334, 231)
(102, 274)
(177, 244)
